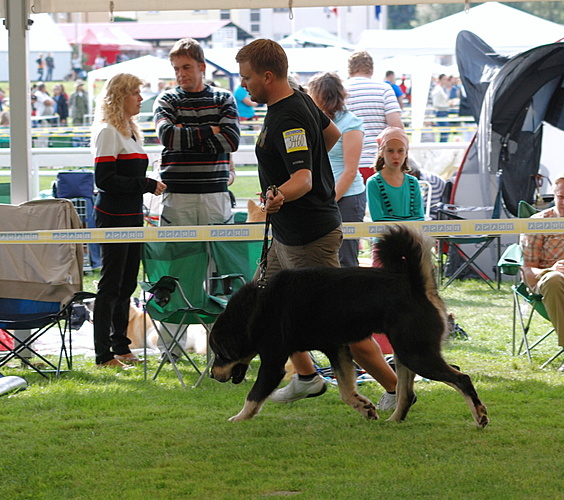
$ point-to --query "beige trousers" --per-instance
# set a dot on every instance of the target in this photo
(551, 286)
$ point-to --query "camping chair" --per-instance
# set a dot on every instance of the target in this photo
(39, 283)
(180, 272)
(176, 274)
(235, 262)
(511, 264)
(468, 260)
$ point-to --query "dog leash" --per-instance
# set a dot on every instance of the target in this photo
(261, 282)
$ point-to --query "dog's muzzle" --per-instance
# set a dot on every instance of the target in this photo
(234, 372)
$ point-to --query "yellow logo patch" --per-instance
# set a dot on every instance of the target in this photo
(295, 140)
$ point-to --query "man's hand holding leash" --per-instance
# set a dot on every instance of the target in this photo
(274, 199)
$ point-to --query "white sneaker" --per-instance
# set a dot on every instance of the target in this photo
(299, 389)
(387, 402)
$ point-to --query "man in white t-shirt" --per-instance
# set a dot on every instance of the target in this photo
(374, 102)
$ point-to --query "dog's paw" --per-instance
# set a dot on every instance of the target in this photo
(238, 418)
(482, 418)
(395, 418)
(250, 409)
(371, 413)
(364, 406)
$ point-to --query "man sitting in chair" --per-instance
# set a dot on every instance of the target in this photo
(543, 256)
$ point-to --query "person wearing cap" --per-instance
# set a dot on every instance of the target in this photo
(78, 103)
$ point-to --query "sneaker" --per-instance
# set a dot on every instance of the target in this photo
(299, 389)
(387, 402)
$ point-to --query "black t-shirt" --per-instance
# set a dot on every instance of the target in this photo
(291, 139)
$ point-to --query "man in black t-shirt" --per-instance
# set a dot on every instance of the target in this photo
(292, 155)
(306, 223)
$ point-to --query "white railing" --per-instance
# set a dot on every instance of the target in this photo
(45, 160)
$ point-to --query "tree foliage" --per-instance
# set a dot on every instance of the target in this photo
(401, 16)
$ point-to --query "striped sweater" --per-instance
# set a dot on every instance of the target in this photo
(194, 160)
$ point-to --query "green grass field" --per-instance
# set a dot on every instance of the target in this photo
(243, 187)
(97, 434)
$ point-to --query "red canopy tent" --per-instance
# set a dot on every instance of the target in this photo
(106, 42)
(94, 45)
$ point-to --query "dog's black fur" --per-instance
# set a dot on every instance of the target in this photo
(325, 309)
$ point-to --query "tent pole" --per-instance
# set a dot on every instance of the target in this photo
(18, 24)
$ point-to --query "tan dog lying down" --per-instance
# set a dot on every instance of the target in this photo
(195, 337)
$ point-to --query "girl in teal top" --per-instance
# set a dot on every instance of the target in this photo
(392, 193)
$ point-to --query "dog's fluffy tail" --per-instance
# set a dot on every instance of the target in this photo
(406, 250)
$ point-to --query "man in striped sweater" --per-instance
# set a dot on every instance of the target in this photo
(198, 126)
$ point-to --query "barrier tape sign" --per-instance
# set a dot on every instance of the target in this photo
(255, 232)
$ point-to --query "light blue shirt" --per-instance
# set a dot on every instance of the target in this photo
(345, 121)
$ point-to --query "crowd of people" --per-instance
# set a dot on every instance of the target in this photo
(310, 147)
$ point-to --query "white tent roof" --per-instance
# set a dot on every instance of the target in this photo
(314, 36)
(44, 36)
(145, 67)
(148, 68)
(302, 60)
(506, 29)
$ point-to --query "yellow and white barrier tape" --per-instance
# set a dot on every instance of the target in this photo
(251, 232)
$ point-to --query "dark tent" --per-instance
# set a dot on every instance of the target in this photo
(520, 96)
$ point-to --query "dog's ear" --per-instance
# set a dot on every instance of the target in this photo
(255, 214)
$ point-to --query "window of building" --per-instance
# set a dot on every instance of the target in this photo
(255, 16)
(225, 14)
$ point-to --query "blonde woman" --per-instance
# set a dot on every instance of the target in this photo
(120, 174)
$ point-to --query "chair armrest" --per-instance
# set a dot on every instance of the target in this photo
(511, 261)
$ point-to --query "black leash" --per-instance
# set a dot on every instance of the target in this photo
(261, 282)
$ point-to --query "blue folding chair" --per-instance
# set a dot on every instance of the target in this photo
(39, 283)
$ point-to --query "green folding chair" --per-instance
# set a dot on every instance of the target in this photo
(176, 297)
(511, 263)
(235, 262)
(191, 283)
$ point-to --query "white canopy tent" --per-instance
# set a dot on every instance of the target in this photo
(45, 37)
(149, 68)
(314, 37)
(304, 61)
(507, 30)
(17, 14)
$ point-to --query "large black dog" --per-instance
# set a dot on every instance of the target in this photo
(325, 309)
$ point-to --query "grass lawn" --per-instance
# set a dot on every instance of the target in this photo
(243, 187)
(102, 434)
